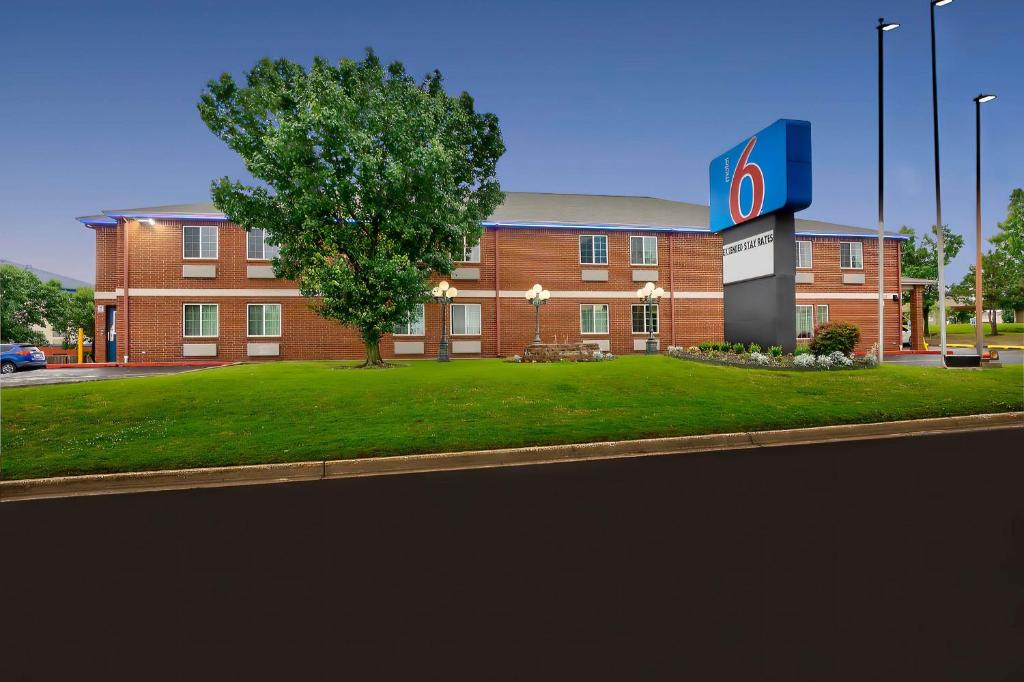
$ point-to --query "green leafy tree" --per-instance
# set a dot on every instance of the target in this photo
(26, 303)
(1002, 268)
(922, 261)
(370, 180)
(78, 311)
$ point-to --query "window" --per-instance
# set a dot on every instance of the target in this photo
(804, 321)
(803, 254)
(413, 326)
(264, 319)
(822, 315)
(851, 255)
(470, 254)
(594, 318)
(200, 241)
(465, 319)
(642, 314)
(201, 319)
(643, 250)
(258, 248)
(593, 249)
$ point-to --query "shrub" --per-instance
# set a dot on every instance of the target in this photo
(760, 358)
(822, 361)
(871, 359)
(776, 351)
(840, 359)
(835, 336)
(754, 348)
(804, 360)
(693, 350)
(801, 350)
(705, 346)
(736, 348)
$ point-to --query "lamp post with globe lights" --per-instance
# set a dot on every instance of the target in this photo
(444, 294)
(650, 294)
(537, 296)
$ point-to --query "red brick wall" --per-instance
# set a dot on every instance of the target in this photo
(688, 263)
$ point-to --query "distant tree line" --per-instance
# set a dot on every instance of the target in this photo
(27, 303)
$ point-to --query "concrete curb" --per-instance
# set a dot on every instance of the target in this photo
(179, 479)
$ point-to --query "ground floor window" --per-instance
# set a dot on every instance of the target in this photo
(645, 318)
(465, 319)
(264, 319)
(594, 318)
(804, 321)
(413, 326)
(822, 315)
(201, 319)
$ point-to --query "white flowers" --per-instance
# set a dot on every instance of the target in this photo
(761, 359)
(805, 361)
(833, 359)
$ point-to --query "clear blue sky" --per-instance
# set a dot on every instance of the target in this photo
(594, 97)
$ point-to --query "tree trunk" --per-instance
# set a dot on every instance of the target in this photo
(992, 318)
(373, 358)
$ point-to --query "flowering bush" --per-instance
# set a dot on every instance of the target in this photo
(516, 358)
(804, 361)
(871, 359)
(761, 359)
(839, 359)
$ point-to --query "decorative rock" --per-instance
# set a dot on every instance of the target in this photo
(559, 352)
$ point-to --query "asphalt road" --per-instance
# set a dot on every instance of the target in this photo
(1007, 357)
(897, 559)
(39, 377)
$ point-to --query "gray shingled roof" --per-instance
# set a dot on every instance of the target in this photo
(69, 283)
(560, 209)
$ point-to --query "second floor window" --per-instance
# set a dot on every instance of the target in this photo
(469, 254)
(851, 255)
(803, 254)
(643, 250)
(200, 241)
(594, 249)
(257, 246)
(413, 326)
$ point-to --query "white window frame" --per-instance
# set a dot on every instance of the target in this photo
(607, 318)
(280, 318)
(216, 242)
(810, 254)
(473, 250)
(200, 335)
(451, 322)
(422, 326)
(593, 250)
(657, 318)
(266, 246)
(642, 250)
(817, 315)
(810, 334)
(860, 248)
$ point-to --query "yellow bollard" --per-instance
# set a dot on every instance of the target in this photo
(81, 335)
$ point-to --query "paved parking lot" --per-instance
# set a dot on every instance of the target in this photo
(39, 377)
(1007, 357)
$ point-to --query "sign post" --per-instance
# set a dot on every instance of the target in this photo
(756, 187)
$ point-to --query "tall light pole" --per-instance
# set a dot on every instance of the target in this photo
(538, 296)
(940, 237)
(650, 294)
(444, 294)
(978, 307)
(882, 27)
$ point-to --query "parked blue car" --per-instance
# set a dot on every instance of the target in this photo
(15, 356)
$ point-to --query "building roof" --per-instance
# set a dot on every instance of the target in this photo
(69, 283)
(542, 209)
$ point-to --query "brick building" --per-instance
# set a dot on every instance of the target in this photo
(201, 287)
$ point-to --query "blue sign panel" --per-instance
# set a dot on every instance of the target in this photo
(769, 171)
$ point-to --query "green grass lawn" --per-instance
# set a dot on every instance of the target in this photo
(1010, 334)
(292, 411)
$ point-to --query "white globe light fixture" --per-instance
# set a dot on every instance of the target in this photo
(537, 296)
(649, 294)
(443, 294)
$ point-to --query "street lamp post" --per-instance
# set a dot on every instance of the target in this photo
(978, 303)
(537, 296)
(882, 27)
(940, 237)
(444, 294)
(649, 294)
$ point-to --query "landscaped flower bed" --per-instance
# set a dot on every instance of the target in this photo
(739, 355)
